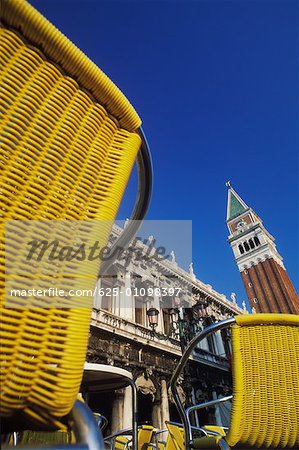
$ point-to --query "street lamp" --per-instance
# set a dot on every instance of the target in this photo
(179, 328)
(176, 324)
(152, 315)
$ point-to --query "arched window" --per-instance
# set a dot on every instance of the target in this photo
(251, 243)
(139, 311)
(106, 292)
(257, 241)
(208, 343)
(241, 249)
(246, 246)
(211, 343)
(166, 320)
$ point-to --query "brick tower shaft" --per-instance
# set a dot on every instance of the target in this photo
(267, 283)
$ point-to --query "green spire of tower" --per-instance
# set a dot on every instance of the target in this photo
(235, 205)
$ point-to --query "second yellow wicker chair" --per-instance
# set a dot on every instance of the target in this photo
(265, 406)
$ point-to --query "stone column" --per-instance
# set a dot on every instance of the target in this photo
(117, 298)
(219, 343)
(164, 402)
(126, 300)
(117, 412)
(156, 415)
(164, 408)
(97, 301)
(195, 413)
(127, 409)
(157, 305)
(217, 411)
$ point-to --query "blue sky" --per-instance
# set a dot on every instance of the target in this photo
(216, 85)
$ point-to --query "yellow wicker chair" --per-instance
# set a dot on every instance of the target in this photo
(176, 437)
(175, 440)
(122, 441)
(265, 406)
(69, 140)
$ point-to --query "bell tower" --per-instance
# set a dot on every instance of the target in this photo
(267, 283)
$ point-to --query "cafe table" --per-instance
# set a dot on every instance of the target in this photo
(103, 378)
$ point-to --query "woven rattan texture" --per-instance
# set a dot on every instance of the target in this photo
(265, 410)
(62, 157)
(20, 15)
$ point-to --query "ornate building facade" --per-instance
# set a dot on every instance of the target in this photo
(120, 335)
(267, 283)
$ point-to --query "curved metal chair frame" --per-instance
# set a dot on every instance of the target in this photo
(184, 414)
(145, 182)
(85, 428)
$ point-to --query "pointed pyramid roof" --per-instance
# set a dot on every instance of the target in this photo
(235, 205)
